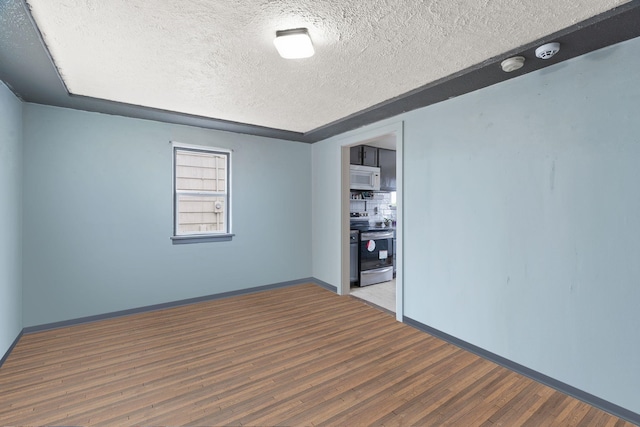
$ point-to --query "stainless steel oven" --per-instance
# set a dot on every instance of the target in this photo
(376, 257)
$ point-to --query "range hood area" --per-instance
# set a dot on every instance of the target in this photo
(364, 178)
(373, 185)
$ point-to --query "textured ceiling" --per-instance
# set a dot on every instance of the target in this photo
(215, 58)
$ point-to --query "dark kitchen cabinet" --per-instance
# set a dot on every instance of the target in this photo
(364, 155)
(387, 163)
(356, 155)
(369, 156)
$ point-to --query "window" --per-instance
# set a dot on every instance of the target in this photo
(201, 194)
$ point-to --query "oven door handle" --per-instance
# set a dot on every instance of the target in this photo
(377, 235)
(377, 270)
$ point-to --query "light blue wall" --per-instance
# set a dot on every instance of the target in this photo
(98, 215)
(522, 220)
(326, 202)
(522, 213)
(10, 218)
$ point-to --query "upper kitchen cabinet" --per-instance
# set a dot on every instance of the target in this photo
(387, 163)
(356, 155)
(364, 155)
(369, 156)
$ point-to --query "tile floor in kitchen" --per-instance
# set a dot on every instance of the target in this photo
(381, 294)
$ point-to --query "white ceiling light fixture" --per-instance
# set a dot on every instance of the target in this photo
(512, 64)
(294, 43)
(546, 51)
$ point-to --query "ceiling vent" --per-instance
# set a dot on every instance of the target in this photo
(546, 51)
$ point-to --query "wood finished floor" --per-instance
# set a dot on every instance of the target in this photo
(294, 356)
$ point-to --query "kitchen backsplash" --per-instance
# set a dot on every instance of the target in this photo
(377, 205)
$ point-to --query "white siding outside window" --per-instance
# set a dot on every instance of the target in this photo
(201, 191)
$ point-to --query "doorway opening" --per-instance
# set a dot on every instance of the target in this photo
(372, 218)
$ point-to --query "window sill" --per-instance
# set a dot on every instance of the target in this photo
(201, 238)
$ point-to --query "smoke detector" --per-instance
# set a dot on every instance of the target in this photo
(546, 51)
(512, 64)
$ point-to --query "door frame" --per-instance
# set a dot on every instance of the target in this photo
(359, 138)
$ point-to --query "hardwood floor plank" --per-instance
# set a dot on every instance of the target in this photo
(374, 360)
(140, 394)
(299, 355)
(549, 407)
(282, 369)
(254, 378)
(376, 383)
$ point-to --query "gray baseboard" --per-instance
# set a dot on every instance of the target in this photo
(322, 284)
(10, 349)
(155, 307)
(607, 406)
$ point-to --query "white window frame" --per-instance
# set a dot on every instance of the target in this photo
(225, 235)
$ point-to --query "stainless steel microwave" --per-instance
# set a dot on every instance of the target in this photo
(365, 178)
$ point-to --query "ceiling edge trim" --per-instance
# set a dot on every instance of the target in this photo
(455, 85)
(105, 106)
(613, 26)
(27, 10)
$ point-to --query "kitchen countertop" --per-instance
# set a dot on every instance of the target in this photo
(372, 228)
